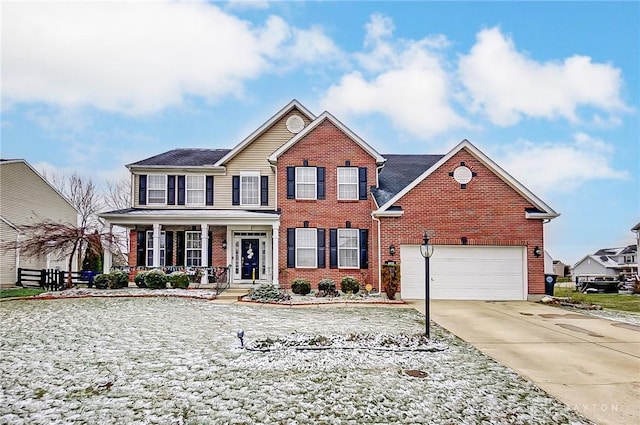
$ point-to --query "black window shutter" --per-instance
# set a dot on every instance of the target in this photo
(181, 190)
(141, 254)
(235, 186)
(168, 243)
(364, 248)
(333, 248)
(210, 249)
(171, 190)
(209, 186)
(362, 180)
(142, 189)
(180, 261)
(264, 190)
(291, 248)
(321, 249)
(320, 171)
(291, 182)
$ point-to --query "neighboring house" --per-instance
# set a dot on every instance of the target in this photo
(608, 262)
(636, 230)
(561, 269)
(27, 198)
(305, 197)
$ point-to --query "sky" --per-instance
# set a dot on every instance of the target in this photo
(548, 90)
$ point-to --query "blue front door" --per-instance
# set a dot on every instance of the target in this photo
(250, 261)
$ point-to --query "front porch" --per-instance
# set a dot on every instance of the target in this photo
(202, 243)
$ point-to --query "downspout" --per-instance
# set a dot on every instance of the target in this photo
(379, 254)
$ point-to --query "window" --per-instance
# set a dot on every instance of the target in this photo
(195, 190)
(250, 189)
(306, 183)
(347, 183)
(150, 248)
(348, 249)
(193, 249)
(157, 189)
(306, 248)
(629, 259)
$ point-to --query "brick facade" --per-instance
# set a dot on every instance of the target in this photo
(329, 147)
(486, 212)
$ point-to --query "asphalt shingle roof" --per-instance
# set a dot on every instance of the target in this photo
(399, 171)
(185, 158)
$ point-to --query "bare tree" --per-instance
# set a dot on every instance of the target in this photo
(118, 195)
(50, 237)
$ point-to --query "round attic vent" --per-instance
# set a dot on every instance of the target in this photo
(462, 174)
(295, 123)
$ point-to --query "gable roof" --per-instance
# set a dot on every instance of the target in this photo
(294, 104)
(542, 210)
(183, 158)
(273, 158)
(398, 172)
(55, 189)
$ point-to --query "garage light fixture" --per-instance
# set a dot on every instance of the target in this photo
(426, 250)
(537, 251)
(392, 249)
(224, 244)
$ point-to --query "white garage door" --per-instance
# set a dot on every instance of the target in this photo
(465, 273)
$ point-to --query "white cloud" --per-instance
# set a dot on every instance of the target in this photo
(506, 84)
(560, 167)
(404, 80)
(140, 57)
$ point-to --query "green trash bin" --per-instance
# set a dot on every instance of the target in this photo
(549, 283)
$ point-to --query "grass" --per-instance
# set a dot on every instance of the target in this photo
(620, 302)
(20, 292)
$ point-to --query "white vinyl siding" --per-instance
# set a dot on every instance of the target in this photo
(306, 248)
(347, 183)
(156, 189)
(306, 183)
(250, 189)
(195, 190)
(193, 249)
(348, 248)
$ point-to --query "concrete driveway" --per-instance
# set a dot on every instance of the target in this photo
(590, 364)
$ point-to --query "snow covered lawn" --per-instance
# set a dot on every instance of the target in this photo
(178, 361)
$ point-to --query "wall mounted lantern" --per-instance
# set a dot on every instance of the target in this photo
(537, 251)
(224, 244)
(392, 249)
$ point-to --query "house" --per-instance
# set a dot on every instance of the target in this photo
(26, 197)
(608, 262)
(303, 196)
(636, 230)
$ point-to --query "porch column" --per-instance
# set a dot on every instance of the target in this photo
(204, 251)
(156, 244)
(106, 262)
(275, 229)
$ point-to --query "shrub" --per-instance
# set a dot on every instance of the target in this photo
(156, 279)
(326, 287)
(301, 286)
(349, 284)
(118, 279)
(139, 279)
(101, 281)
(265, 293)
(179, 280)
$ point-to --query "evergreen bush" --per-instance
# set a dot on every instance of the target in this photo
(266, 293)
(139, 279)
(326, 287)
(101, 281)
(349, 284)
(301, 286)
(118, 279)
(179, 280)
(156, 279)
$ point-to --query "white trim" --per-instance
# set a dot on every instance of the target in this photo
(487, 162)
(278, 115)
(392, 213)
(166, 189)
(357, 248)
(315, 252)
(250, 174)
(186, 190)
(356, 183)
(315, 183)
(273, 158)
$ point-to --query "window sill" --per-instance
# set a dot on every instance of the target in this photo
(347, 201)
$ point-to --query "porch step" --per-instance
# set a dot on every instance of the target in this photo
(233, 293)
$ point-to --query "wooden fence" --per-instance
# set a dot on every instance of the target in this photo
(52, 279)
